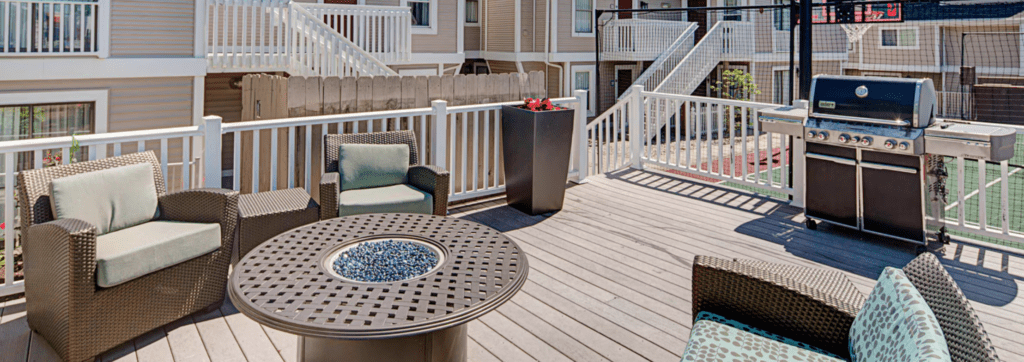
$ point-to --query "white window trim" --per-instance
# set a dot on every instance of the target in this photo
(593, 85)
(99, 97)
(593, 21)
(917, 37)
(429, 30)
(479, 14)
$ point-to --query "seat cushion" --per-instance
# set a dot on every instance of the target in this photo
(396, 198)
(111, 199)
(363, 166)
(715, 338)
(965, 336)
(133, 252)
(896, 324)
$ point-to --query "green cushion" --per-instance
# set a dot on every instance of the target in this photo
(896, 324)
(139, 250)
(396, 198)
(363, 166)
(111, 199)
(715, 338)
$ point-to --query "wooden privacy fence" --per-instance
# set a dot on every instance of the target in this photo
(274, 97)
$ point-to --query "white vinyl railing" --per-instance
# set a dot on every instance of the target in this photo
(171, 145)
(667, 61)
(319, 50)
(639, 39)
(54, 27)
(383, 31)
(724, 41)
(956, 105)
(247, 35)
(984, 197)
(606, 139)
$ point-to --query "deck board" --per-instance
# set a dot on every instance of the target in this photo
(610, 278)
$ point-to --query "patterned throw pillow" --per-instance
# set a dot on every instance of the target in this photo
(896, 324)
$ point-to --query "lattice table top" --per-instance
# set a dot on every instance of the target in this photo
(283, 283)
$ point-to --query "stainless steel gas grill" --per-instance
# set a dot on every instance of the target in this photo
(867, 142)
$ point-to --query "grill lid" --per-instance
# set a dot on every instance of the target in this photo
(891, 101)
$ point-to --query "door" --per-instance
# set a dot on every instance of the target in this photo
(625, 4)
(832, 184)
(893, 202)
(625, 75)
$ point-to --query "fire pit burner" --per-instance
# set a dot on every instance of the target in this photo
(385, 260)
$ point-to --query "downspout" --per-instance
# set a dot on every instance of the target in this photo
(547, 46)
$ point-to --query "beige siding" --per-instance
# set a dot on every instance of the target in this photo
(923, 55)
(473, 41)
(533, 23)
(447, 31)
(134, 104)
(988, 50)
(501, 27)
(152, 28)
(500, 67)
(566, 42)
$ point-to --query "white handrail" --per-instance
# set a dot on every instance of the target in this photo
(668, 60)
(247, 34)
(383, 31)
(726, 39)
(319, 50)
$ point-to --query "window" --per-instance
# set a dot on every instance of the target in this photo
(472, 12)
(583, 79)
(733, 15)
(905, 38)
(583, 17)
(420, 12)
(781, 16)
(19, 122)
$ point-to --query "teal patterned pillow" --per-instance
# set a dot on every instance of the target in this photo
(896, 324)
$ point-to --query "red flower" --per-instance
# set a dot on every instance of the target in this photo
(547, 105)
(3, 225)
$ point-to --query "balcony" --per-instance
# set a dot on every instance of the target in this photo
(54, 28)
(611, 273)
(639, 39)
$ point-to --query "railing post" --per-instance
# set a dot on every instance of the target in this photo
(636, 124)
(580, 141)
(211, 128)
(799, 165)
(439, 128)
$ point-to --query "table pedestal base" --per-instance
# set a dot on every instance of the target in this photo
(446, 345)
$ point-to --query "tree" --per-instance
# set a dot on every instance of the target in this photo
(738, 85)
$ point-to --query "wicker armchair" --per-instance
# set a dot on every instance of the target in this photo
(430, 179)
(817, 307)
(82, 320)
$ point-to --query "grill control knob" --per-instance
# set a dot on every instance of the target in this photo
(890, 144)
(843, 138)
(811, 134)
(866, 141)
(856, 139)
(822, 135)
(904, 146)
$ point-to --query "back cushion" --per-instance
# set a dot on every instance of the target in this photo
(111, 199)
(896, 324)
(966, 337)
(364, 166)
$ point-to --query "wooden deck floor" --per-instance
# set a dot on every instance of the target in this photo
(610, 278)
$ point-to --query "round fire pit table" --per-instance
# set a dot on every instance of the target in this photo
(289, 283)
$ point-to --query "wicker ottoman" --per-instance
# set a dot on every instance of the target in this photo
(263, 215)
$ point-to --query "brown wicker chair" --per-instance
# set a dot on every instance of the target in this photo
(64, 304)
(430, 179)
(817, 306)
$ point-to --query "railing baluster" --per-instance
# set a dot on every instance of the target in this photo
(982, 191)
(117, 148)
(163, 156)
(757, 152)
(1005, 198)
(255, 161)
(236, 165)
(497, 148)
(679, 130)
(487, 149)
(9, 215)
(743, 132)
(309, 158)
(291, 156)
(186, 163)
(960, 206)
(465, 150)
(723, 115)
(273, 158)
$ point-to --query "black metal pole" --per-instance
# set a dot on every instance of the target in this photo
(597, 64)
(805, 48)
(793, 11)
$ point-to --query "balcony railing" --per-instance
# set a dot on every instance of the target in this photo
(639, 39)
(383, 31)
(956, 105)
(54, 27)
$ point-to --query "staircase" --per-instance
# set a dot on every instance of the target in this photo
(320, 40)
(681, 69)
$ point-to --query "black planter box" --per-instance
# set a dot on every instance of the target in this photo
(536, 148)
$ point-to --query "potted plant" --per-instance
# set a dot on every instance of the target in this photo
(536, 139)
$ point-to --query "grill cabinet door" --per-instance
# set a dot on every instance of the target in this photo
(893, 195)
(832, 184)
